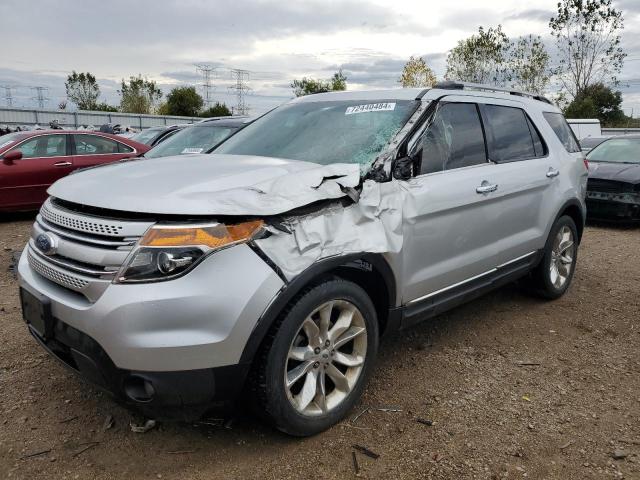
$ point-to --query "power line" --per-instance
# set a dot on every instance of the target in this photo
(241, 90)
(208, 74)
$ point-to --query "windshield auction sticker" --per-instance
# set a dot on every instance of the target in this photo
(192, 150)
(371, 107)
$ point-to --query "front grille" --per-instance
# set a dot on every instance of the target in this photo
(61, 278)
(74, 223)
(606, 186)
(89, 249)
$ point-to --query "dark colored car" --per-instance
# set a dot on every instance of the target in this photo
(154, 135)
(32, 161)
(589, 143)
(613, 190)
(200, 137)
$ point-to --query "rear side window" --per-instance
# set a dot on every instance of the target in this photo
(95, 145)
(122, 148)
(511, 135)
(454, 139)
(563, 131)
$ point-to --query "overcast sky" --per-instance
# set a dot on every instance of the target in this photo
(276, 40)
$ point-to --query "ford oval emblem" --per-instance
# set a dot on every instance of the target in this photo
(47, 243)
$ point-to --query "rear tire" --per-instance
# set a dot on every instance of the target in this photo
(316, 359)
(552, 277)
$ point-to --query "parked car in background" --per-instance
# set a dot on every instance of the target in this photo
(589, 143)
(198, 138)
(32, 161)
(268, 270)
(154, 135)
(613, 190)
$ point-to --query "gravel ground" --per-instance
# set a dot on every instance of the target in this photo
(508, 386)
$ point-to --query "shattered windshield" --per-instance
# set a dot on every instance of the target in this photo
(323, 132)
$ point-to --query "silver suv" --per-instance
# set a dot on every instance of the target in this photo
(269, 271)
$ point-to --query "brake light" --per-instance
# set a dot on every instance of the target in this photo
(586, 163)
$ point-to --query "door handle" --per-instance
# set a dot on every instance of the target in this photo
(486, 187)
(552, 172)
(63, 164)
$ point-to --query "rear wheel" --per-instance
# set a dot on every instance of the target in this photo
(553, 275)
(315, 361)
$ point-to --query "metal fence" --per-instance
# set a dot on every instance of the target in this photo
(610, 132)
(23, 116)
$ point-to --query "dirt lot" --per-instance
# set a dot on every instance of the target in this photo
(566, 414)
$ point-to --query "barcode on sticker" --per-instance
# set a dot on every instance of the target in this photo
(371, 107)
(192, 150)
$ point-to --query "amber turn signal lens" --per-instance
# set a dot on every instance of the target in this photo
(212, 236)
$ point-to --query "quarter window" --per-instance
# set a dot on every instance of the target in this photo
(563, 131)
(95, 145)
(44, 146)
(511, 134)
(454, 139)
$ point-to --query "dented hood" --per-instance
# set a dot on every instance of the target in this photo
(207, 185)
(619, 172)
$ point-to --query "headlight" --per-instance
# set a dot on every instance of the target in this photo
(168, 251)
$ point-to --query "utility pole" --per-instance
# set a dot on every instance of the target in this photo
(208, 74)
(241, 90)
(40, 96)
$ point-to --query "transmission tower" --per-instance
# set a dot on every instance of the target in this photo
(208, 74)
(40, 96)
(241, 90)
(8, 94)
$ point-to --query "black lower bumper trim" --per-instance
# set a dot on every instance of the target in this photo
(181, 395)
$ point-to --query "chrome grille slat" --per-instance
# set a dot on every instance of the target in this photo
(70, 266)
(107, 243)
(70, 281)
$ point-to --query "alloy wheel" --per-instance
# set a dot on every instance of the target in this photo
(562, 257)
(326, 358)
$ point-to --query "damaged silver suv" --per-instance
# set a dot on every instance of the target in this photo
(269, 270)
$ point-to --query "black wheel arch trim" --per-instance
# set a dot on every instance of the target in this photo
(364, 261)
(573, 203)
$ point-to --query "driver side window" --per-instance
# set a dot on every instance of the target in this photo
(454, 139)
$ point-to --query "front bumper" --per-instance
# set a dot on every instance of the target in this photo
(613, 206)
(183, 337)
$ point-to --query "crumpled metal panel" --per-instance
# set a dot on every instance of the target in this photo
(374, 224)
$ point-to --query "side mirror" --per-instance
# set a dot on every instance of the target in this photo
(403, 168)
(10, 157)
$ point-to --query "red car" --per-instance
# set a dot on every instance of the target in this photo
(32, 161)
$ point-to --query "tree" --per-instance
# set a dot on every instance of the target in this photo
(416, 73)
(184, 101)
(139, 95)
(587, 34)
(480, 58)
(83, 90)
(529, 65)
(308, 86)
(105, 107)
(338, 82)
(597, 101)
(217, 110)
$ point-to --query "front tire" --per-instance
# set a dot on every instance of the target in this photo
(316, 359)
(553, 275)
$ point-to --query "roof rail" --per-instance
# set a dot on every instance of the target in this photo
(452, 85)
